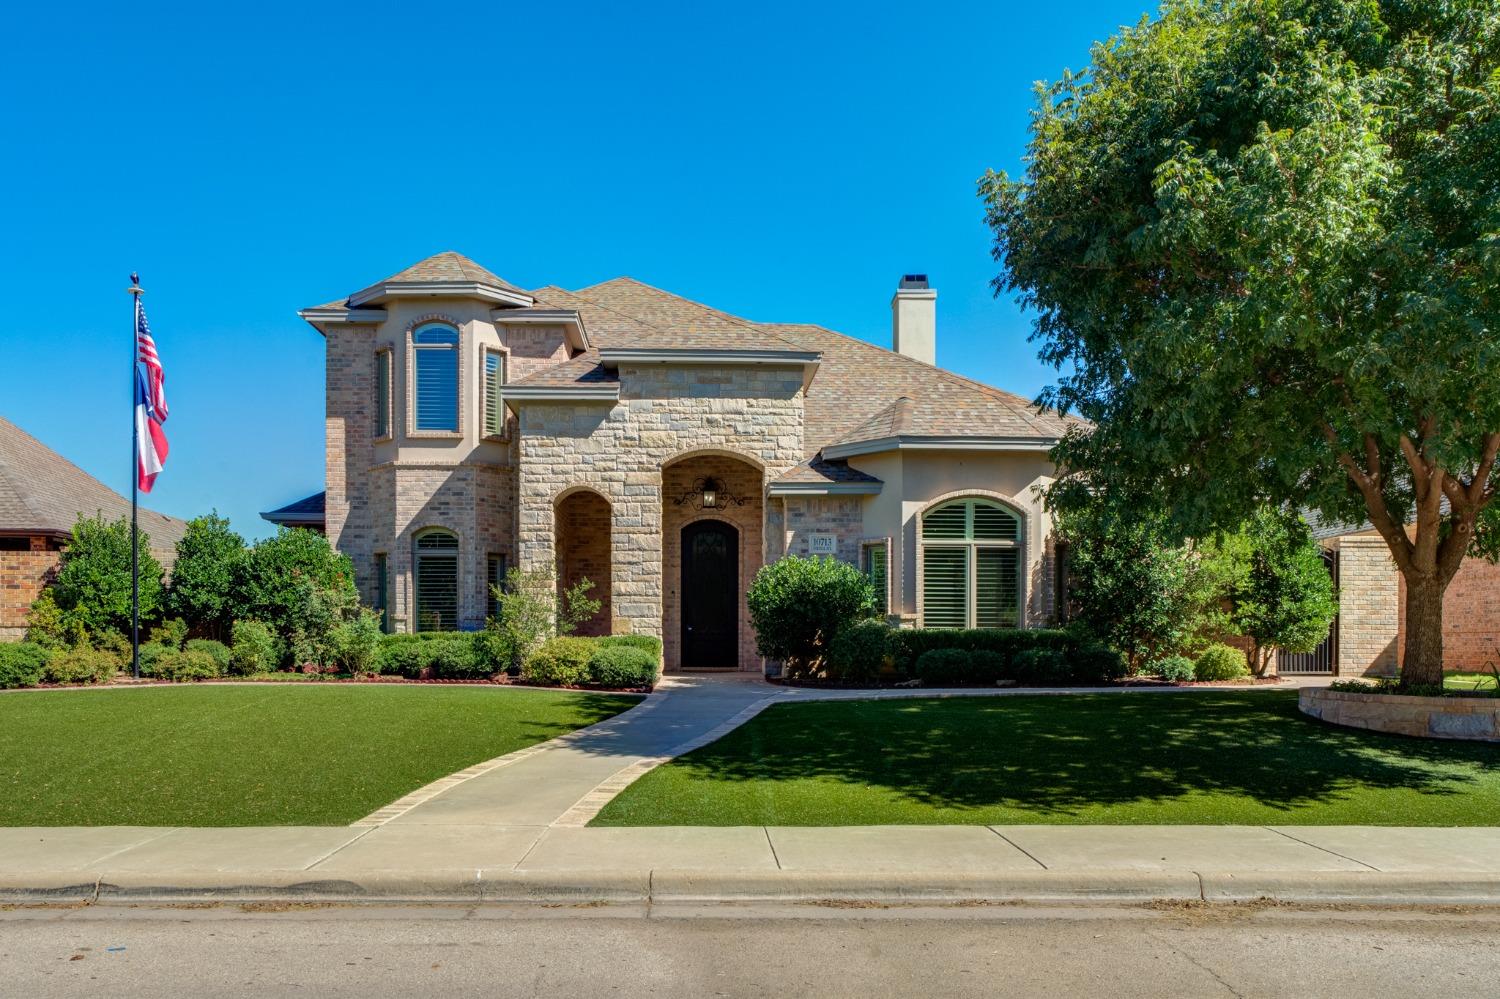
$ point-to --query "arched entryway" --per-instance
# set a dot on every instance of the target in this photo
(584, 552)
(713, 530)
(710, 595)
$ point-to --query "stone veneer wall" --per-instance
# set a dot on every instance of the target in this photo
(619, 450)
(22, 578)
(739, 479)
(1474, 718)
(583, 552)
(1368, 601)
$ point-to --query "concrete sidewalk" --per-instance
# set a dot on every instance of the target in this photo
(888, 864)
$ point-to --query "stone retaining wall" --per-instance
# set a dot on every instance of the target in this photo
(1472, 718)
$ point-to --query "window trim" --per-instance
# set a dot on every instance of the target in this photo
(382, 569)
(971, 547)
(485, 353)
(461, 361)
(384, 356)
(416, 574)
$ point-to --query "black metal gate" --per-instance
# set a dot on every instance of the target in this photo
(1325, 658)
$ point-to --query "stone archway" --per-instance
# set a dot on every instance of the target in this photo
(740, 504)
(584, 551)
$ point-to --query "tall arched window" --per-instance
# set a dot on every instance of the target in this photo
(971, 566)
(435, 571)
(435, 350)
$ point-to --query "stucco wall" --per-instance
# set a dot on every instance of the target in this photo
(914, 479)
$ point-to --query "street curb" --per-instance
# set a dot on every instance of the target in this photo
(1375, 888)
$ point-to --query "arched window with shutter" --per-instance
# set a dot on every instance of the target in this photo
(435, 379)
(435, 572)
(971, 565)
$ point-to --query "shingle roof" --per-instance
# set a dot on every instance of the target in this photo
(585, 369)
(308, 510)
(675, 321)
(450, 266)
(43, 492)
(817, 470)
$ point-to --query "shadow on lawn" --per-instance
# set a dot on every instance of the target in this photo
(1060, 754)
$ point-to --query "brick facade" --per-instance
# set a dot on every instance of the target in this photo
(23, 575)
(1368, 600)
(583, 552)
(1471, 616)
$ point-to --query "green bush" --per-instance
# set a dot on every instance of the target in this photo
(300, 587)
(82, 665)
(93, 586)
(493, 651)
(355, 643)
(1043, 667)
(857, 652)
(457, 658)
(202, 585)
(1175, 669)
(562, 661)
(171, 633)
(961, 668)
(621, 666)
(798, 604)
(1221, 662)
(183, 665)
(218, 650)
(254, 649)
(646, 643)
(1096, 663)
(401, 655)
(150, 653)
(22, 664)
(906, 645)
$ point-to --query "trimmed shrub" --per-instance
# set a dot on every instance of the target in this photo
(218, 650)
(961, 668)
(1176, 669)
(1043, 667)
(82, 665)
(798, 604)
(1221, 662)
(183, 665)
(254, 649)
(562, 661)
(857, 652)
(646, 643)
(621, 666)
(1097, 663)
(150, 653)
(494, 651)
(906, 645)
(22, 664)
(401, 655)
(457, 659)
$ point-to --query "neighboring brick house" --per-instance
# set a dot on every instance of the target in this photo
(42, 495)
(666, 451)
(1371, 628)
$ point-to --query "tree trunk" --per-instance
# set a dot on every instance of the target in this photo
(1422, 661)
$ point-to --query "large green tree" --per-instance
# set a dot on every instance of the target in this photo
(202, 588)
(93, 582)
(1262, 239)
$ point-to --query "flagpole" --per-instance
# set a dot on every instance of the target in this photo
(135, 479)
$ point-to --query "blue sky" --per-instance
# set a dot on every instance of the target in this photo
(784, 162)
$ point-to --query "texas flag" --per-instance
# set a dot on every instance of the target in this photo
(150, 405)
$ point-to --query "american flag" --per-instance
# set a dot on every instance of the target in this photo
(150, 404)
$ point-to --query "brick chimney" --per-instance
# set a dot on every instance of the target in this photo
(914, 319)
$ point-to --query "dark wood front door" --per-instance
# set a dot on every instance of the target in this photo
(710, 595)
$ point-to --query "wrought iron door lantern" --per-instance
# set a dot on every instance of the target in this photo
(708, 493)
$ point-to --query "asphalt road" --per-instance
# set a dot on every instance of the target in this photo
(745, 951)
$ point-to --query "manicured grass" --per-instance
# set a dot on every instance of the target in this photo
(1213, 758)
(1469, 681)
(305, 754)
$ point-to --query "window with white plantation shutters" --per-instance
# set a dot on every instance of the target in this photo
(435, 349)
(971, 566)
(435, 570)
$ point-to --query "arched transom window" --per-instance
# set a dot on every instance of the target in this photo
(435, 350)
(435, 571)
(971, 565)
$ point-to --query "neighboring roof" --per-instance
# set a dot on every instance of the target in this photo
(309, 510)
(42, 492)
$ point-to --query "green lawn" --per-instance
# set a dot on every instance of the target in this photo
(1469, 681)
(215, 755)
(1232, 758)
